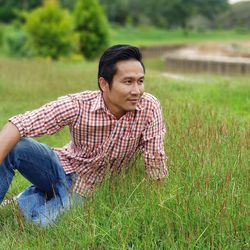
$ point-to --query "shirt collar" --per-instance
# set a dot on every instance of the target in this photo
(98, 103)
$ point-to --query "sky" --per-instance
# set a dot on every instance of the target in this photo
(235, 1)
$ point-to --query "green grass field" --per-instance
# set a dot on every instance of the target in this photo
(204, 203)
(149, 35)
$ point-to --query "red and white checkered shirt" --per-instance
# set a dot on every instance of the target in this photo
(98, 141)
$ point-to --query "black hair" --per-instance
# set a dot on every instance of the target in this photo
(107, 64)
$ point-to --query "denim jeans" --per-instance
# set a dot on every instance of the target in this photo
(50, 193)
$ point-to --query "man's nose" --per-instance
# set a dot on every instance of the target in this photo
(136, 89)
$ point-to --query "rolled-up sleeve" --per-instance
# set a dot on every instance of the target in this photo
(47, 119)
(153, 145)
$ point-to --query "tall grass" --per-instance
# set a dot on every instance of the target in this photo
(204, 203)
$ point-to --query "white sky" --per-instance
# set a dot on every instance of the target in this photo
(235, 1)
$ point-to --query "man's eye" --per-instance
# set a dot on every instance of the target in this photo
(128, 82)
(141, 81)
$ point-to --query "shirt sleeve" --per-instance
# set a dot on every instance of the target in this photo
(153, 145)
(47, 119)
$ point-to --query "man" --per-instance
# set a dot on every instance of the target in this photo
(106, 127)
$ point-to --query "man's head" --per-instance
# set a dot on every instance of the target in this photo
(121, 52)
(121, 78)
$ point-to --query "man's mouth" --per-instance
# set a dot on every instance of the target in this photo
(134, 101)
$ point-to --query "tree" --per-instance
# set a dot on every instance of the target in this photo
(237, 17)
(50, 29)
(68, 4)
(117, 11)
(10, 8)
(211, 8)
(170, 14)
(92, 26)
(167, 14)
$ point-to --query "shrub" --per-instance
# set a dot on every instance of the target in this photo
(92, 26)
(15, 41)
(50, 29)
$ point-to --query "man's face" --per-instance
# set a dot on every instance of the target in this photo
(127, 87)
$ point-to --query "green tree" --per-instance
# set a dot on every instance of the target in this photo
(173, 14)
(210, 8)
(68, 4)
(237, 17)
(50, 29)
(10, 8)
(117, 11)
(167, 14)
(92, 26)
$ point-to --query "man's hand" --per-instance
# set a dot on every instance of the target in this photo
(157, 184)
(9, 136)
(160, 183)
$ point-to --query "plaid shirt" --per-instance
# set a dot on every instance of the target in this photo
(98, 141)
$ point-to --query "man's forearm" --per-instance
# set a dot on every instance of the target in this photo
(9, 136)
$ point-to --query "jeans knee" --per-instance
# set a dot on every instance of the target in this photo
(21, 147)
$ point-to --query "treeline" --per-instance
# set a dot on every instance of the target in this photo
(238, 16)
(161, 13)
(61, 28)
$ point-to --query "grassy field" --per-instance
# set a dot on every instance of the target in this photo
(149, 35)
(204, 204)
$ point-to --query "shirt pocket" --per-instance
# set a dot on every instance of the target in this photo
(133, 134)
(129, 142)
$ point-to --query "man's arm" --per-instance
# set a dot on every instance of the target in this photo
(9, 136)
(48, 119)
(153, 146)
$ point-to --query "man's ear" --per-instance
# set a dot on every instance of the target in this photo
(103, 84)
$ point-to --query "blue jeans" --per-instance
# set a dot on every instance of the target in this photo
(50, 193)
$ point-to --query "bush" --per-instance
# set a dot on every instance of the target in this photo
(92, 26)
(15, 40)
(50, 29)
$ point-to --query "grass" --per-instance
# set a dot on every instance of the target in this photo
(151, 36)
(204, 204)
